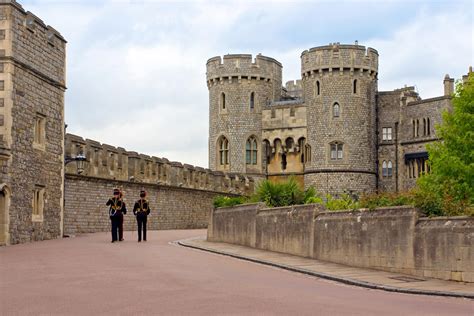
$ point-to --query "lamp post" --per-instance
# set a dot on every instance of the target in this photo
(79, 159)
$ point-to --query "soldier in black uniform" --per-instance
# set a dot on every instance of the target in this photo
(116, 211)
(141, 209)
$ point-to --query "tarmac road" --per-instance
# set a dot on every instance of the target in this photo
(88, 275)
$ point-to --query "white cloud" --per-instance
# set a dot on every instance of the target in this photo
(422, 52)
(136, 69)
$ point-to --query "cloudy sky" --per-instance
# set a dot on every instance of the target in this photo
(136, 69)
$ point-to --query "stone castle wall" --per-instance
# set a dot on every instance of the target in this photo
(32, 84)
(392, 239)
(181, 196)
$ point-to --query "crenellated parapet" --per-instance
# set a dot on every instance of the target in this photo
(235, 67)
(336, 58)
(115, 163)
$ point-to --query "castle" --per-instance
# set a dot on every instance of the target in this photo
(333, 129)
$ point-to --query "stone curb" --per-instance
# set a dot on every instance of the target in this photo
(329, 276)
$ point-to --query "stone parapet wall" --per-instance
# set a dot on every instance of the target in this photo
(171, 207)
(109, 162)
(392, 239)
(336, 57)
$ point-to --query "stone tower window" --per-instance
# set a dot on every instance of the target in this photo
(39, 131)
(389, 169)
(428, 127)
(336, 151)
(283, 161)
(222, 101)
(384, 169)
(336, 111)
(354, 86)
(387, 133)
(252, 100)
(38, 204)
(223, 151)
(307, 151)
(251, 151)
(318, 88)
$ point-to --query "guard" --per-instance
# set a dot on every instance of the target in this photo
(141, 209)
(116, 211)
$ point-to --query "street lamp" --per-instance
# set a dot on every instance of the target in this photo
(79, 159)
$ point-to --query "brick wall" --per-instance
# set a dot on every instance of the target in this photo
(171, 207)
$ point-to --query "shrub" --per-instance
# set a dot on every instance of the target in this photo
(345, 202)
(222, 201)
(387, 199)
(282, 194)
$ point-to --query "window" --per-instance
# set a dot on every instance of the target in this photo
(222, 101)
(387, 133)
(417, 131)
(252, 100)
(40, 130)
(389, 169)
(283, 162)
(354, 86)
(414, 128)
(38, 204)
(318, 88)
(335, 110)
(424, 127)
(428, 127)
(251, 151)
(223, 151)
(307, 151)
(384, 169)
(336, 151)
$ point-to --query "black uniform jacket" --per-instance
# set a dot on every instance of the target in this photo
(116, 206)
(141, 208)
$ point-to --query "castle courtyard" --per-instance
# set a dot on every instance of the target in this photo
(87, 275)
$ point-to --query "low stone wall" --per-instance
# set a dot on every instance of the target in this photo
(171, 207)
(392, 239)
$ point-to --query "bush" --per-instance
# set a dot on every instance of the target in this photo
(223, 201)
(345, 202)
(373, 201)
(282, 194)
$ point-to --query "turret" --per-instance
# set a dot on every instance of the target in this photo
(239, 87)
(339, 87)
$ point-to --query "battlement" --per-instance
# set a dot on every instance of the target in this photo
(32, 21)
(115, 163)
(339, 57)
(242, 66)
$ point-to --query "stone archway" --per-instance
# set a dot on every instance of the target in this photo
(4, 214)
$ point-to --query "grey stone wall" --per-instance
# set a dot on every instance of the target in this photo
(34, 56)
(392, 239)
(171, 207)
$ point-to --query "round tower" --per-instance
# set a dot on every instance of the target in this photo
(239, 87)
(339, 88)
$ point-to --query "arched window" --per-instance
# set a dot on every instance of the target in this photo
(428, 128)
(268, 150)
(223, 151)
(389, 169)
(252, 100)
(251, 151)
(417, 132)
(301, 143)
(318, 88)
(223, 100)
(354, 86)
(289, 143)
(307, 151)
(384, 169)
(336, 110)
(414, 128)
(424, 127)
(336, 151)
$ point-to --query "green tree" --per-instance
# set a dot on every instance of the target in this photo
(449, 188)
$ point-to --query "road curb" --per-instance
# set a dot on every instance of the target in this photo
(331, 277)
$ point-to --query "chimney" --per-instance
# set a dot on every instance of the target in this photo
(448, 85)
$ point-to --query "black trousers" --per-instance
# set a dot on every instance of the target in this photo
(141, 222)
(120, 227)
(115, 227)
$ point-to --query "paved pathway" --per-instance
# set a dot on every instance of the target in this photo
(369, 278)
(88, 275)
